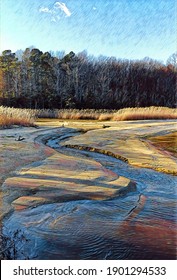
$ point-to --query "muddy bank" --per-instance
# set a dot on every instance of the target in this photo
(129, 143)
(166, 143)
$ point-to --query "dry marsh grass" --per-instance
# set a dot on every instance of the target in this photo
(75, 114)
(26, 117)
(146, 113)
(108, 115)
(12, 116)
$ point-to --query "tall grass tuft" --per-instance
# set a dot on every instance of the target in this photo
(146, 113)
(11, 116)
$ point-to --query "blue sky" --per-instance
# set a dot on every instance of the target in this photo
(131, 29)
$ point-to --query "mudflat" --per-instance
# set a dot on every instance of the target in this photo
(36, 174)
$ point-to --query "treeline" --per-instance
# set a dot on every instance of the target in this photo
(42, 80)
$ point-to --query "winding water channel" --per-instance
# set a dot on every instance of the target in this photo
(137, 225)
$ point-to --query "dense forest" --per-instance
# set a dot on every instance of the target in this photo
(35, 79)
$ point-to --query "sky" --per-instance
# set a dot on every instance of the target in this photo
(126, 29)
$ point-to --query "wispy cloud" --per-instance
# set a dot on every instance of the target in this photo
(53, 19)
(62, 7)
(45, 10)
(56, 11)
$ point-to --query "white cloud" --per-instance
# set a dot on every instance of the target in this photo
(94, 8)
(62, 7)
(53, 19)
(45, 10)
(56, 12)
